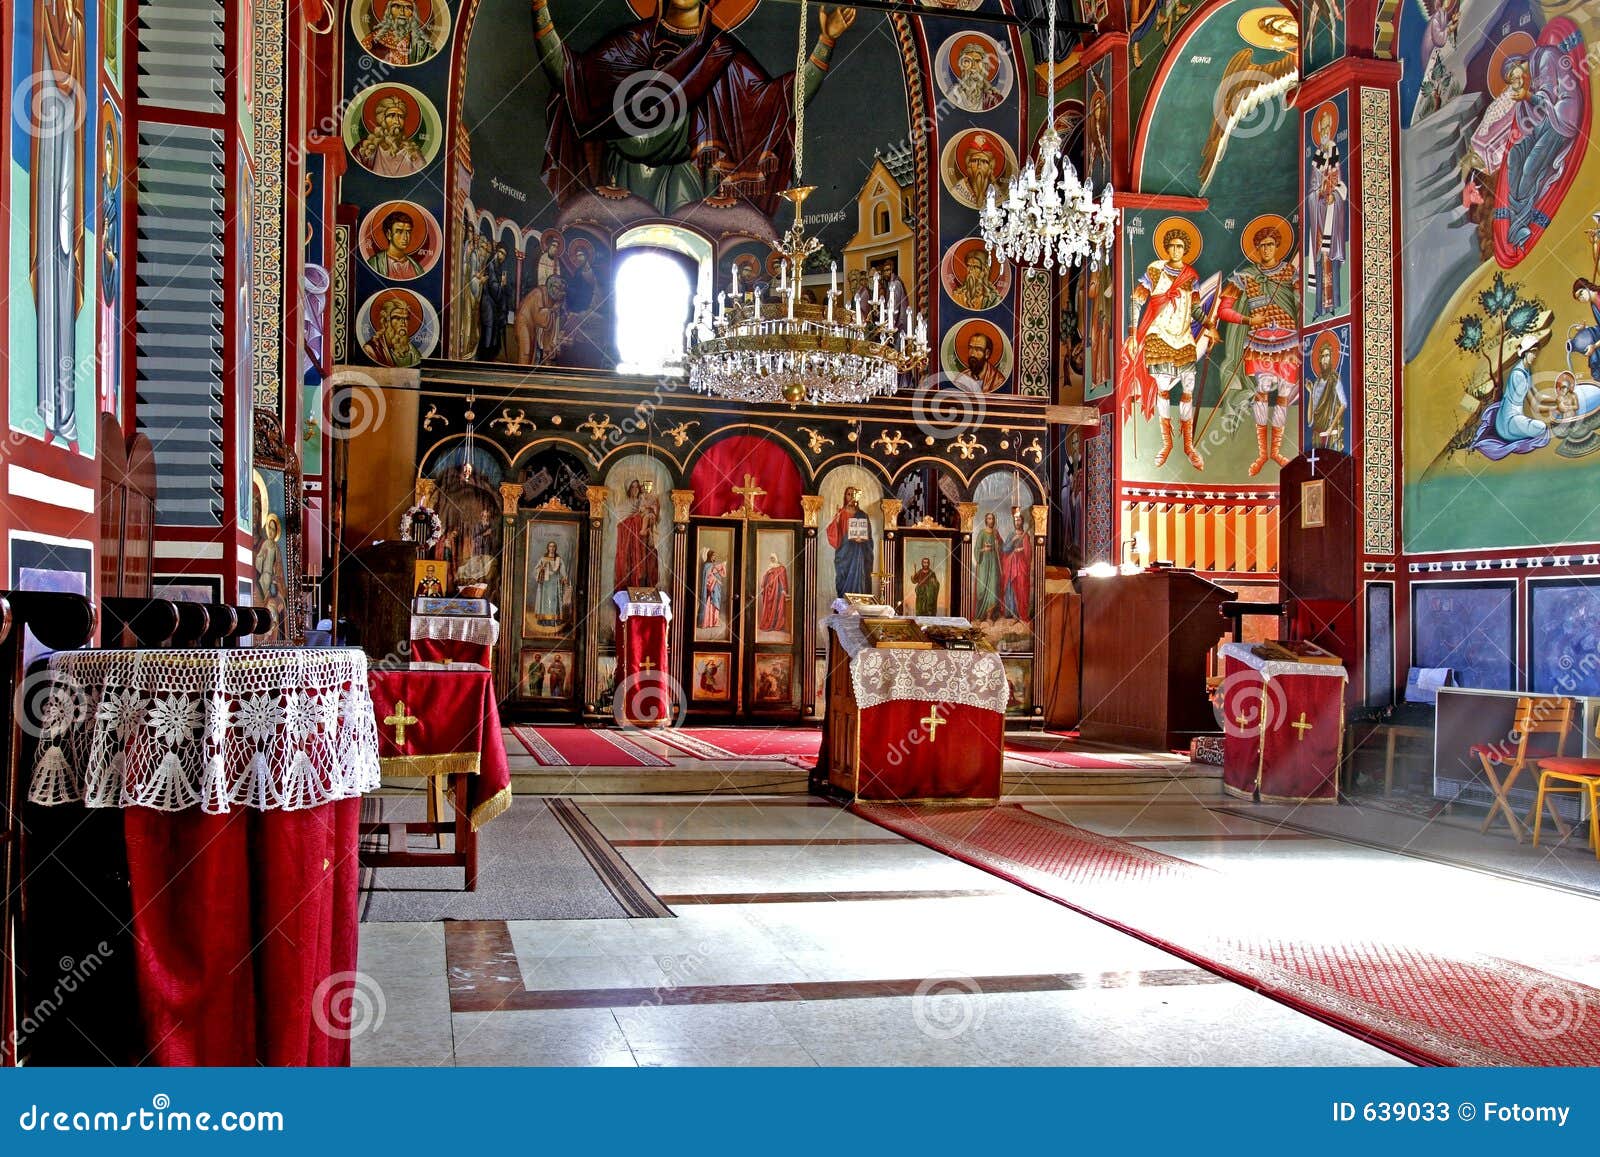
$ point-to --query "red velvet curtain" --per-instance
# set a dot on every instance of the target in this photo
(724, 466)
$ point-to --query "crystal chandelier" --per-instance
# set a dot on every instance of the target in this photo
(1050, 219)
(770, 345)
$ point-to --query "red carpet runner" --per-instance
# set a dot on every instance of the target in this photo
(791, 744)
(1426, 1006)
(585, 747)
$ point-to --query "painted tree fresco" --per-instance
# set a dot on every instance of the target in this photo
(1502, 274)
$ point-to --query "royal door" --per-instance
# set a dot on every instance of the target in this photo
(746, 601)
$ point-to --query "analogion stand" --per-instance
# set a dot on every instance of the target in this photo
(906, 725)
(1284, 730)
(644, 695)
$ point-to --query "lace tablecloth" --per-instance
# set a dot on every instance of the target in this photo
(274, 729)
(480, 629)
(881, 675)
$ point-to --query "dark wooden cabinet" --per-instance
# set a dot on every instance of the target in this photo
(1145, 641)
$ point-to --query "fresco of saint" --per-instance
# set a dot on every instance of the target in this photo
(1262, 351)
(391, 344)
(987, 550)
(1162, 352)
(550, 584)
(1328, 398)
(772, 613)
(1327, 215)
(926, 583)
(673, 108)
(389, 145)
(713, 585)
(403, 33)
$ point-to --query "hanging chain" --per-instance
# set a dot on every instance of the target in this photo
(800, 98)
(1051, 40)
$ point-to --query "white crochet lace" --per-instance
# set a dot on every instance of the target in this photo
(880, 675)
(265, 728)
(479, 629)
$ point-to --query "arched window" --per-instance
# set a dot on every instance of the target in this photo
(660, 271)
(880, 220)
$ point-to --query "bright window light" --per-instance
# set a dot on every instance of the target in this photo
(652, 303)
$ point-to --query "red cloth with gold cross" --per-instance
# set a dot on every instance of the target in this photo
(1284, 728)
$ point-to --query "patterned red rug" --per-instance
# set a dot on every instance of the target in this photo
(1426, 1005)
(795, 745)
(584, 747)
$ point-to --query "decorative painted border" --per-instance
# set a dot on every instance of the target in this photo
(1377, 330)
(339, 305)
(1034, 345)
(266, 296)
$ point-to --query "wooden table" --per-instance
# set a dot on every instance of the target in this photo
(439, 721)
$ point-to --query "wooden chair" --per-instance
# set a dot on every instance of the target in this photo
(1535, 716)
(1581, 777)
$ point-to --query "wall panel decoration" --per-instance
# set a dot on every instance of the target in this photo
(1564, 636)
(1380, 655)
(1470, 627)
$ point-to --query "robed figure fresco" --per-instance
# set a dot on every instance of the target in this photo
(986, 550)
(638, 564)
(772, 611)
(926, 582)
(550, 583)
(673, 108)
(713, 585)
(850, 535)
(56, 121)
(1016, 571)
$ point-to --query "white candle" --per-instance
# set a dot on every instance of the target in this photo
(833, 278)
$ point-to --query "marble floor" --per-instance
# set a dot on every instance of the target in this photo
(804, 935)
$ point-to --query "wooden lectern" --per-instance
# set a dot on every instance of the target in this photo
(1145, 641)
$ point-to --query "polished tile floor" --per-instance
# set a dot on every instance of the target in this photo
(806, 936)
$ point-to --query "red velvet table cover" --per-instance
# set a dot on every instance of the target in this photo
(904, 757)
(452, 651)
(241, 840)
(1284, 728)
(644, 694)
(443, 720)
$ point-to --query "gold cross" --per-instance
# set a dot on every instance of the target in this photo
(648, 665)
(1241, 720)
(400, 720)
(749, 492)
(932, 722)
(1302, 727)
